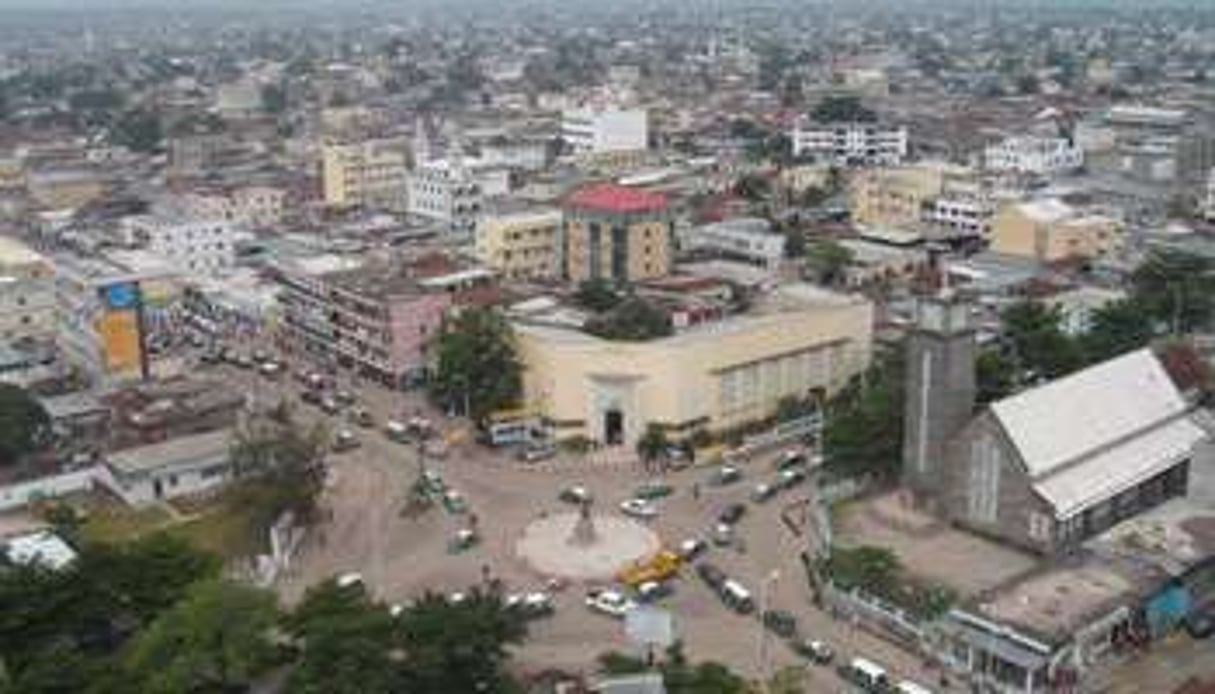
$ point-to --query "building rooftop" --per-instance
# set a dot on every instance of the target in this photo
(42, 547)
(208, 448)
(1059, 600)
(14, 252)
(1047, 211)
(616, 199)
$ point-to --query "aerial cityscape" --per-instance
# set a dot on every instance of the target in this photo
(679, 347)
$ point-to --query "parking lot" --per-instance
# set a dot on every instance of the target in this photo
(401, 555)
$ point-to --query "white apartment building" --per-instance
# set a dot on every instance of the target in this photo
(254, 206)
(27, 292)
(1028, 154)
(604, 131)
(372, 173)
(189, 244)
(958, 215)
(750, 239)
(454, 192)
(850, 144)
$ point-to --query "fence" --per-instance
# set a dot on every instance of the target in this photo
(875, 615)
(21, 494)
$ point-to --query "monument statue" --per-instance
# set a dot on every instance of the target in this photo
(584, 529)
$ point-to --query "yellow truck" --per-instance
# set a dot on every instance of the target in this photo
(659, 567)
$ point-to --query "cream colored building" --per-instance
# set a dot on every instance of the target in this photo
(893, 197)
(27, 292)
(798, 340)
(1050, 230)
(521, 244)
(372, 173)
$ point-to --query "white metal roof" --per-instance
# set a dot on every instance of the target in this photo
(1074, 416)
(1122, 467)
(42, 547)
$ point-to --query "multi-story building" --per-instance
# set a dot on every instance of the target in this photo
(101, 309)
(253, 206)
(958, 215)
(897, 197)
(190, 244)
(370, 174)
(850, 144)
(798, 341)
(591, 131)
(1028, 154)
(27, 292)
(1050, 230)
(521, 242)
(453, 191)
(377, 319)
(750, 239)
(616, 234)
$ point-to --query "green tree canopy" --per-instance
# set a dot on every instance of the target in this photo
(138, 129)
(1116, 328)
(597, 295)
(635, 319)
(653, 443)
(842, 109)
(828, 260)
(478, 371)
(863, 433)
(216, 639)
(1037, 344)
(281, 464)
(25, 427)
(1176, 290)
(346, 643)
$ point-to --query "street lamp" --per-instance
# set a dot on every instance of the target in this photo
(765, 588)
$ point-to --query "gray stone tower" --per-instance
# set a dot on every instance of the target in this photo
(940, 389)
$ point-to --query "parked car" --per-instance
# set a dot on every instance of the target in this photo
(576, 494)
(311, 397)
(270, 369)
(653, 591)
(344, 440)
(530, 605)
(535, 451)
(396, 431)
(362, 417)
(791, 478)
(435, 448)
(726, 474)
(653, 490)
(329, 405)
(638, 508)
(736, 597)
(763, 492)
(781, 623)
(351, 578)
(723, 534)
(464, 539)
(433, 482)
(711, 575)
(344, 398)
(816, 652)
(731, 514)
(1200, 625)
(609, 602)
(866, 674)
(791, 459)
(454, 502)
(260, 356)
(692, 548)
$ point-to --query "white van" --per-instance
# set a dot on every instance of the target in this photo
(868, 675)
(737, 597)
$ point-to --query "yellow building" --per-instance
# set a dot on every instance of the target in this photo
(521, 244)
(896, 196)
(798, 340)
(27, 292)
(372, 173)
(1051, 230)
(616, 234)
(798, 179)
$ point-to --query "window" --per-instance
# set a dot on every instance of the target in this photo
(1039, 526)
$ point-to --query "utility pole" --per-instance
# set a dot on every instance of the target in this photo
(765, 588)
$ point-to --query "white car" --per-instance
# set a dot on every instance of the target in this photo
(638, 508)
(610, 603)
(349, 579)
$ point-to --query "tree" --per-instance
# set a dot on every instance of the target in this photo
(1176, 290)
(842, 109)
(478, 369)
(1037, 345)
(216, 639)
(274, 98)
(634, 320)
(138, 129)
(995, 376)
(25, 427)
(346, 641)
(281, 465)
(458, 648)
(653, 443)
(597, 295)
(863, 434)
(795, 242)
(828, 260)
(1116, 328)
(753, 187)
(873, 569)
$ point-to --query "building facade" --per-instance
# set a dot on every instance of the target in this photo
(748, 239)
(454, 191)
(370, 174)
(523, 244)
(253, 207)
(617, 234)
(1050, 230)
(191, 245)
(850, 144)
(27, 292)
(1040, 156)
(591, 131)
(376, 320)
(714, 376)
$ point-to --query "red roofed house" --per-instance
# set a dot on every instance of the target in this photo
(617, 234)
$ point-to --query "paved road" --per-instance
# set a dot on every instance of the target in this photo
(401, 557)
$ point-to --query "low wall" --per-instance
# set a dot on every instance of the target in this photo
(21, 494)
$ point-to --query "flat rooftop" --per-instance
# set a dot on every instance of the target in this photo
(1059, 600)
(208, 448)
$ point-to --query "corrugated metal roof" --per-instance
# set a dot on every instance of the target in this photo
(1075, 416)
